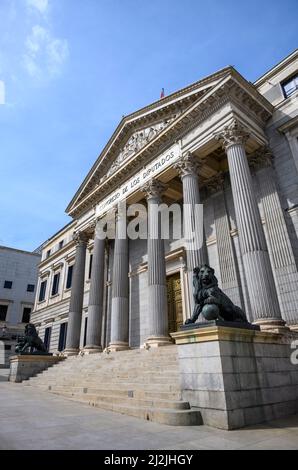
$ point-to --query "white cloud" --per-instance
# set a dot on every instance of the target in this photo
(2, 92)
(44, 54)
(40, 5)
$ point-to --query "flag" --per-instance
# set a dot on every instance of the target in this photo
(162, 93)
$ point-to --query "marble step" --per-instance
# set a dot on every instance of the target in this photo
(104, 386)
(160, 415)
(93, 398)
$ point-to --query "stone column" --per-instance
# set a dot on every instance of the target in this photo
(230, 282)
(77, 294)
(258, 272)
(278, 241)
(196, 249)
(95, 307)
(120, 297)
(157, 287)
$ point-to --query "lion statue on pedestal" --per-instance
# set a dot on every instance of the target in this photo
(31, 341)
(210, 300)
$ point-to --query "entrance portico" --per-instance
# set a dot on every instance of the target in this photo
(203, 152)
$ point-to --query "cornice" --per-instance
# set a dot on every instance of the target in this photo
(289, 125)
(277, 68)
(56, 254)
(227, 90)
(137, 119)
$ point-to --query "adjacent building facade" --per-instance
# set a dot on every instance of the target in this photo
(223, 142)
(18, 283)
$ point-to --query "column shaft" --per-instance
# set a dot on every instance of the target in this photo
(195, 242)
(120, 291)
(95, 308)
(158, 333)
(260, 282)
(76, 299)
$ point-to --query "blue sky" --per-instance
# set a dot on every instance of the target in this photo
(72, 68)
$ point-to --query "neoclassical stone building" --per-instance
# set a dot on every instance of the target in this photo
(223, 142)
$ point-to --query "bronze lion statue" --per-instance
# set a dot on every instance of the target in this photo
(210, 300)
(31, 341)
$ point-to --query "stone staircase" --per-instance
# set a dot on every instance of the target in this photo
(141, 383)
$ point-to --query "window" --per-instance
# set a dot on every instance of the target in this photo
(3, 312)
(47, 337)
(30, 287)
(85, 332)
(90, 266)
(42, 291)
(7, 347)
(55, 286)
(69, 277)
(7, 284)
(48, 253)
(62, 336)
(290, 86)
(61, 244)
(26, 315)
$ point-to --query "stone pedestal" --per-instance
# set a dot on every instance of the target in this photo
(238, 377)
(22, 367)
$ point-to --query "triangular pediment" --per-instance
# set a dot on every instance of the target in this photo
(140, 128)
(137, 141)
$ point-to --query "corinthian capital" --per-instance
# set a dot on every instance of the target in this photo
(80, 238)
(187, 165)
(261, 158)
(154, 189)
(233, 134)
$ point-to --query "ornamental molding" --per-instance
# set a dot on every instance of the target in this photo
(80, 238)
(261, 158)
(154, 189)
(232, 134)
(136, 142)
(187, 165)
(198, 112)
(215, 184)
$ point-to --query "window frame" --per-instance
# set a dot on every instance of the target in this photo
(284, 83)
(55, 283)
(70, 266)
(45, 283)
(5, 319)
(26, 308)
(7, 284)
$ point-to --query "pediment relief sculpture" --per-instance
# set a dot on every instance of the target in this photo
(136, 142)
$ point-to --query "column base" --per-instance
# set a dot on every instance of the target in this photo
(71, 352)
(294, 328)
(157, 341)
(89, 349)
(273, 325)
(118, 346)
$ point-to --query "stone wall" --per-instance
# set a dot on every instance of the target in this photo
(24, 367)
(236, 377)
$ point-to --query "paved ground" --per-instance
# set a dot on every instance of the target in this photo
(31, 419)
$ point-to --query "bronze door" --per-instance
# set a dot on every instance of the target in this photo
(175, 312)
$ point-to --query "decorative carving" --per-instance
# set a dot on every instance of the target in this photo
(187, 165)
(233, 134)
(136, 142)
(210, 300)
(215, 184)
(80, 238)
(261, 158)
(154, 189)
